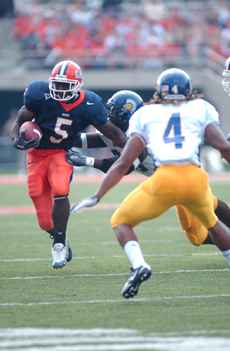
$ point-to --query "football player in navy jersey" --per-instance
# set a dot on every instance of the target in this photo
(61, 109)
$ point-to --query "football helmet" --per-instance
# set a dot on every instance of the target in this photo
(226, 76)
(174, 84)
(65, 80)
(121, 106)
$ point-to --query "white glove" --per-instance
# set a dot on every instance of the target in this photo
(88, 202)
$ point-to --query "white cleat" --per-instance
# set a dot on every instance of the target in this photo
(59, 255)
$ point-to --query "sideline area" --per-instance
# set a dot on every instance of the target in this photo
(85, 178)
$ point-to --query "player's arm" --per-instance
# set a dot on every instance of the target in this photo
(90, 140)
(113, 133)
(215, 137)
(76, 158)
(23, 115)
(131, 151)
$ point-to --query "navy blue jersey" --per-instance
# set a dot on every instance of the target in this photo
(60, 122)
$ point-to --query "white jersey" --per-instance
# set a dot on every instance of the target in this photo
(174, 132)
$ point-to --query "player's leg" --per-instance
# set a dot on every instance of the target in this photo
(223, 212)
(202, 207)
(59, 176)
(194, 229)
(128, 215)
(39, 190)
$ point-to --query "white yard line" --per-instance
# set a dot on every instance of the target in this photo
(109, 340)
(114, 301)
(38, 259)
(104, 275)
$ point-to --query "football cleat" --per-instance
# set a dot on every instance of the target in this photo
(59, 255)
(69, 252)
(137, 276)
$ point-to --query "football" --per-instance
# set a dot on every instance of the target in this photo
(30, 131)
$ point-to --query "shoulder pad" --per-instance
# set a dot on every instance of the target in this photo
(36, 89)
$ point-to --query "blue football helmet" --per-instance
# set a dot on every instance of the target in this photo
(121, 106)
(174, 84)
(226, 76)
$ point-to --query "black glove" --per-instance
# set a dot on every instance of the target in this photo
(22, 144)
(76, 158)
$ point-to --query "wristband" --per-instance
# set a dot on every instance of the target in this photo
(84, 141)
(89, 161)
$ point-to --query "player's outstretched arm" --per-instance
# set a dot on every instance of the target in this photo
(131, 151)
(113, 133)
(215, 137)
(89, 140)
(76, 158)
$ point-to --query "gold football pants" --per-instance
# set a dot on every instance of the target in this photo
(172, 185)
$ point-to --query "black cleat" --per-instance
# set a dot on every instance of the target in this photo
(69, 254)
(137, 276)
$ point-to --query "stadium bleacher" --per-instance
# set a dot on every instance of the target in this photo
(103, 34)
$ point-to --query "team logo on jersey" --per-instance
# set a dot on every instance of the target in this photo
(47, 96)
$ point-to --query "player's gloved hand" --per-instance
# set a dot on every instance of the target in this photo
(88, 202)
(228, 137)
(22, 144)
(77, 158)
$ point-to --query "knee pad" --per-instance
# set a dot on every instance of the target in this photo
(117, 219)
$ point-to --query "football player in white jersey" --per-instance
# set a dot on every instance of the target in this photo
(94, 150)
(174, 129)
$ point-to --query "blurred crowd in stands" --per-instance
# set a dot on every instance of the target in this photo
(116, 33)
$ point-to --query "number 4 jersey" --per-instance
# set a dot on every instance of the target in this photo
(174, 132)
(61, 121)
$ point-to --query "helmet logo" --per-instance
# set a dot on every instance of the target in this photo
(175, 89)
(77, 74)
(130, 106)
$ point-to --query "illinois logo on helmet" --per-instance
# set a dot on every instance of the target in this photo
(65, 80)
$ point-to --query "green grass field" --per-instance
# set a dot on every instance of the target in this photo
(189, 294)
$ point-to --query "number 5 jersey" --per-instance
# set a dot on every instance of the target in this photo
(60, 122)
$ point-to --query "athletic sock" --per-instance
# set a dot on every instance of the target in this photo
(59, 237)
(226, 254)
(135, 256)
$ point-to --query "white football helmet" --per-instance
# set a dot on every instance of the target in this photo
(65, 80)
(226, 76)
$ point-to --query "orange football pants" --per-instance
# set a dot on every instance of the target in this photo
(169, 186)
(49, 176)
